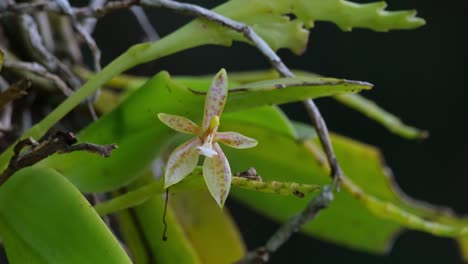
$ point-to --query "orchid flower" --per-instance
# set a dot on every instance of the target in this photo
(184, 159)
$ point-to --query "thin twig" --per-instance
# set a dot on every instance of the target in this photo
(322, 131)
(15, 91)
(90, 23)
(326, 196)
(23, 8)
(82, 31)
(89, 11)
(67, 9)
(39, 70)
(59, 142)
(45, 29)
(282, 235)
(45, 57)
(145, 23)
(109, 7)
(66, 38)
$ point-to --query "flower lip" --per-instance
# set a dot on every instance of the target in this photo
(207, 148)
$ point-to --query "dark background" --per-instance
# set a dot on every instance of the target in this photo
(419, 75)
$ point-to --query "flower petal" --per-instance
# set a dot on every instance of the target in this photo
(217, 174)
(179, 123)
(215, 98)
(235, 140)
(182, 162)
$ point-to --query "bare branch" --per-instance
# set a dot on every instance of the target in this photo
(84, 33)
(15, 91)
(45, 57)
(89, 11)
(145, 24)
(282, 235)
(59, 142)
(40, 71)
(109, 7)
(23, 8)
(67, 9)
(90, 23)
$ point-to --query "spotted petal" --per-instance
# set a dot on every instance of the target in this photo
(217, 174)
(182, 162)
(179, 123)
(215, 98)
(235, 140)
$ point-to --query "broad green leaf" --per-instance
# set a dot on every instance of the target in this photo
(149, 220)
(374, 112)
(132, 237)
(282, 158)
(210, 229)
(354, 101)
(44, 219)
(134, 127)
(366, 215)
(196, 227)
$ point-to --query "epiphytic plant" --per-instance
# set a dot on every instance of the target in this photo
(44, 214)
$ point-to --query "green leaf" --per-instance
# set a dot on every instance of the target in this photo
(195, 181)
(348, 15)
(196, 227)
(211, 230)
(141, 136)
(388, 120)
(345, 222)
(366, 215)
(44, 219)
(354, 101)
(132, 237)
(148, 218)
(268, 20)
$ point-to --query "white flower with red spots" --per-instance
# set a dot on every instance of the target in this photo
(184, 159)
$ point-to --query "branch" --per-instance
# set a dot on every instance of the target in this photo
(145, 23)
(281, 236)
(13, 92)
(195, 181)
(6, 111)
(89, 11)
(59, 142)
(65, 6)
(39, 70)
(90, 23)
(34, 39)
